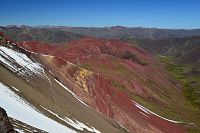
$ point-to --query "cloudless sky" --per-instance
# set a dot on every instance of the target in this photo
(91, 13)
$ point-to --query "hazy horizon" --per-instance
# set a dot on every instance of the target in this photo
(99, 27)
(148, 14)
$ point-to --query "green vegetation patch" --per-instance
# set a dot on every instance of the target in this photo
(191, 92)
(190, 87)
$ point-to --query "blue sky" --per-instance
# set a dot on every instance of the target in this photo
(97, 13)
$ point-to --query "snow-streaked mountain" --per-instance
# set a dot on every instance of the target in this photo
(33, 97)
(18, 108)
(53, 86)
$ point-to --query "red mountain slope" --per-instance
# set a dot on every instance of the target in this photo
(108, 75)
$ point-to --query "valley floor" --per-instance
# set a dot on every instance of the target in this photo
(189, 79)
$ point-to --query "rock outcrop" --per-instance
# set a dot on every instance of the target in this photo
(5, 125)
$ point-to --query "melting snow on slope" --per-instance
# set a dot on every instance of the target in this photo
(19, 62)
(78, 98)
(19, 109)
(148, 112)
(19, 131)
(74, 123)
(15, 89)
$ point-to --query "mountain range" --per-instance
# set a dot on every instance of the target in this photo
(63, 34)
(112, 79)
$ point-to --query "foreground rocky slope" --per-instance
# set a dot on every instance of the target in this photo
(5, 126)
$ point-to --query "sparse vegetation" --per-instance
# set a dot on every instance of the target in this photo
(191, 92)
(190, 86)
(130, 56)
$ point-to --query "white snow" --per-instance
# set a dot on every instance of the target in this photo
(11, 58)
(2, 59)
(19, 109)
(79, 125)
(15, 89)
(142, 108)
(23, 131)
(26, 66)
(73, 94)
(144, 114)
(74, 123)
(19, 131)
(147, 112)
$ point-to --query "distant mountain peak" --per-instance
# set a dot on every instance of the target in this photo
(118, 27)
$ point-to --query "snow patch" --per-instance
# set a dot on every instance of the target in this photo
(24, 130)
(19, 62)
(19, 131)
(19, 109)
(73, 94)
(15, 89)
(74, 123)
(142, 108)
(148, 112)
(80, 126)
(144, 114)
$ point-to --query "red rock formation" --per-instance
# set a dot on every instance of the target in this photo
(133, 69)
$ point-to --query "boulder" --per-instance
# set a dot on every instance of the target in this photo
(5, 125)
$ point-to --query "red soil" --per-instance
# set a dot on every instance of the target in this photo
(38, 47)
(1, 33)
(101, 94)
